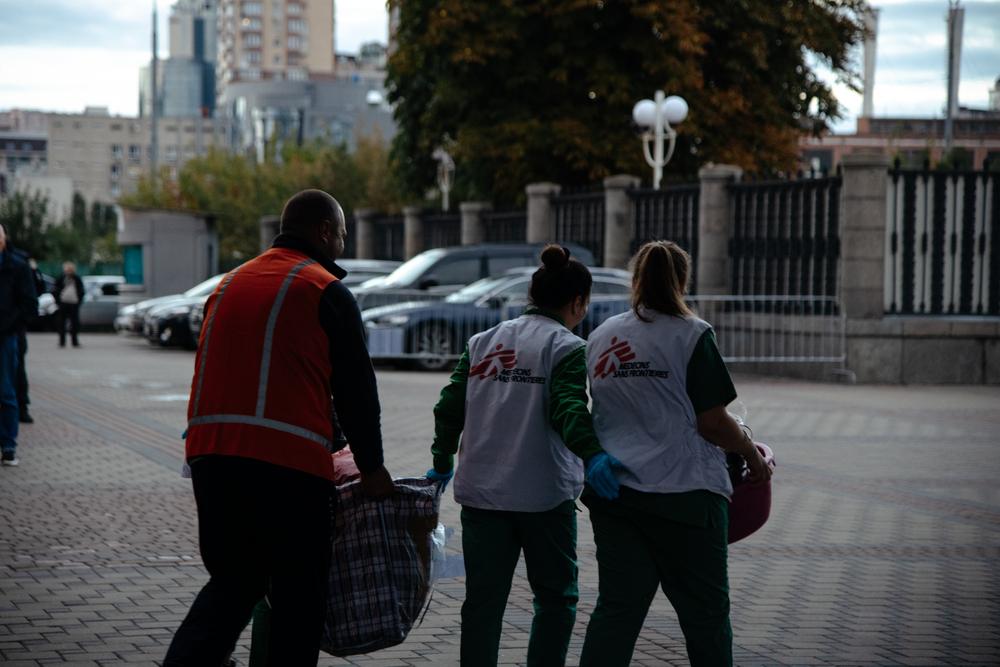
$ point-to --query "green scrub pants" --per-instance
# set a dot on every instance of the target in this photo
(492, 542)
(675, 541)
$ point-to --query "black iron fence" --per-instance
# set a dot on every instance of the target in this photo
(442, 230)
(786, 237)
(351, 243)
(506, 226)
(580, 219)
(389, 237)
(668, 214)
(943, 242)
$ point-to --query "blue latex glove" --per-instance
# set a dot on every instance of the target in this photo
(601, 475)
(442, 477)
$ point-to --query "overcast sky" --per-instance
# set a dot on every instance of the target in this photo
(65, 54)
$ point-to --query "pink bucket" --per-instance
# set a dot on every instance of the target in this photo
(751, 503)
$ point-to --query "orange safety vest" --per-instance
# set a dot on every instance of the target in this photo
(261, 386)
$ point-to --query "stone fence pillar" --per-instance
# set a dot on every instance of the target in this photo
(619, 222)
(270, 225)
(473, 221)
(714, 219)
(364, 231)
(541, 213)
(413, 232)
(862, 235)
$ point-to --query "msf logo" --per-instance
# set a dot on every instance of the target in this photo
(494, 362)
(612, 358)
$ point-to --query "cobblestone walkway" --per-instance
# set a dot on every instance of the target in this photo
(883, 547)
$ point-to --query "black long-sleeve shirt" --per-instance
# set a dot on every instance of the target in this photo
(352, 378)
(17, 293)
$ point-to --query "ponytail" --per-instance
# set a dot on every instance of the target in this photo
(660, 279)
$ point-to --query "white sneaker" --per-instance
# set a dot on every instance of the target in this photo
(9, 460)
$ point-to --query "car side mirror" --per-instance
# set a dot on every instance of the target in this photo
(428, 283)
(110, 289)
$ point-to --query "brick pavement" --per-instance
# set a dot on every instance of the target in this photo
(882, 547)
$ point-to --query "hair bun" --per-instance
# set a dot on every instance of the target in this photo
(555, 257)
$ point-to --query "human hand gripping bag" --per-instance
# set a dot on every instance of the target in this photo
(750, 505)
(383, 565)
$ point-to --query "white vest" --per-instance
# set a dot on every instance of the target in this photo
(642, 412)
(511, 458)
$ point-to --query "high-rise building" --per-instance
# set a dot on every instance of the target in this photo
(185, 80)
(274, 40)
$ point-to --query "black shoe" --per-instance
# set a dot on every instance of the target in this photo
(26, 418)
(9, 459)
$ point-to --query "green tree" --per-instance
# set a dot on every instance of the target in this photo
(543, 91)
(25, 216)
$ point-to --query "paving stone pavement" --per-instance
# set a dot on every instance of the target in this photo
(882, 548)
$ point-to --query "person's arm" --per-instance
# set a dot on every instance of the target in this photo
(449, 416)
(27, 301)
(79, 290)
(567, 409)
(57, 288)
(352, 378)
(710, 388)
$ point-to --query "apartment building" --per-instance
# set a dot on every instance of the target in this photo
(262, 40)
(106, 155)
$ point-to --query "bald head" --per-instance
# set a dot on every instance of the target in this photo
(317, 217)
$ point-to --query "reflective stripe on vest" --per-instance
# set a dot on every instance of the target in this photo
(258, 418)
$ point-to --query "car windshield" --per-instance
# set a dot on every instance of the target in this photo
(204, 288)
(409, 271)
(475, 290)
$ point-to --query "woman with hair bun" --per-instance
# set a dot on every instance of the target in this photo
(518, 399)
(660, 391)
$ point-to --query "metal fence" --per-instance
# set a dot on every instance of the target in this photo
(786, 237)
(351, 243)
(580, 219)
(668, 214)
(506, 226)
(389, 237)
(943, 243)
(753, 329)
(442, 230)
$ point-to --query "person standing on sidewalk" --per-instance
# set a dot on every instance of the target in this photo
(282, 335)
(68, 293)
(17, 303)
(518, 399)
(660, 391)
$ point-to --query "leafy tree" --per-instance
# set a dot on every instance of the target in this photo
(24, 215)
(543, 91)
(239, 191)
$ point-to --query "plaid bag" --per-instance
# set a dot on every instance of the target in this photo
(380, 570)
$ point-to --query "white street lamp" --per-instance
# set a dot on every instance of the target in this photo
(446, 167)
(655, 118)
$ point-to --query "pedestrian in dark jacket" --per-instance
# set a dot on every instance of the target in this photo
(17, 303)
(69, 295)
(23, 400)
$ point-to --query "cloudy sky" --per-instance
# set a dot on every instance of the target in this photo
(66, 54)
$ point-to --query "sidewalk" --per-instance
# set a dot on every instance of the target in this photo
(883, 546)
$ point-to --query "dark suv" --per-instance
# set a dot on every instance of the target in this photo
(436, 273)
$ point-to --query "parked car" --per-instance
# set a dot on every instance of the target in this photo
(101, 300)
(168, 324)
(361, 270)
(131, 318)
(434, 274)
(432, 334)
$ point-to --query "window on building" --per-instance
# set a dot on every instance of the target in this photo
(116, 171)
(134, 152)
(252, 9)
(251, 39)
(116, 127)
(251, 74)
(294, 9)
(297, 74)
(116, 189)
(297, 25)
(296, 43)
(170, 154)
(116, 151)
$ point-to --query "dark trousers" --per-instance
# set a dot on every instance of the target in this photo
(264, 530)
(492, 542)
(8, 394)
(21, 383)
(68, 313)
(640, 551)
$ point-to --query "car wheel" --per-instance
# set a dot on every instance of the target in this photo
(436, 346)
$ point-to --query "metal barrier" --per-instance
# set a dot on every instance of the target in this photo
(388, 297)
(943, 243)
(389, 237)
(506, 226)
(758, 329)
(580, 219)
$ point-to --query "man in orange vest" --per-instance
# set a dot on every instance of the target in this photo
(281, 357)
